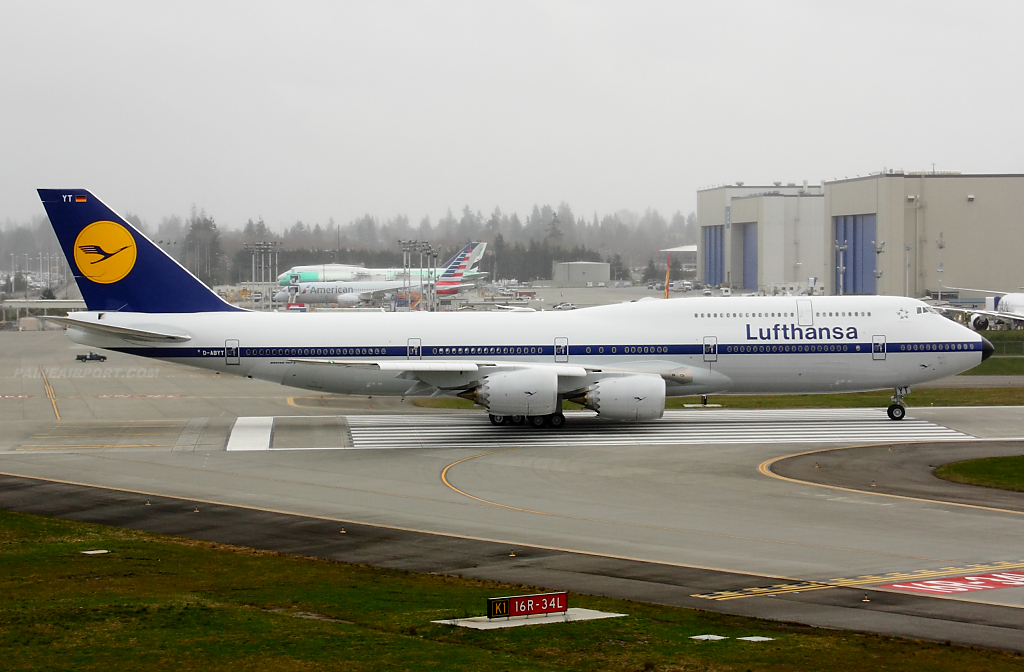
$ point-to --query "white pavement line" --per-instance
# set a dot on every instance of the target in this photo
(251, 434)
(484, 623)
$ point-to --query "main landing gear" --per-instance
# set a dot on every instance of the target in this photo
(897, 411)
(556, 420)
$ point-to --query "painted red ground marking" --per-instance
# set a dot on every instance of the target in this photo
(962, 584)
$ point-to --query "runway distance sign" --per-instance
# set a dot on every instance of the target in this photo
(527, 605)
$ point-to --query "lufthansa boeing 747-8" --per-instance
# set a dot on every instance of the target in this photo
(621, 360)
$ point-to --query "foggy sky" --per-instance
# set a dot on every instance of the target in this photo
(316, 110)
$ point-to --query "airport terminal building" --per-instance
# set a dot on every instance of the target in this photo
(890, 233)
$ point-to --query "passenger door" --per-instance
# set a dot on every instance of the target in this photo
(710, 348)
(878, 347)
(805, 313)
(413, 349)
(561, 349)
(231, 351)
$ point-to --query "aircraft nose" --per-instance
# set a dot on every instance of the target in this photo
(986, 348)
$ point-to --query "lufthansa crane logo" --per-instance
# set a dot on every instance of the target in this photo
(105, 252)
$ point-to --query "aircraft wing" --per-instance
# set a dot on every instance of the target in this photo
(102, 329)
(377, 293)
(452, 365)
(670, 371)
(994, 314)
(980, 291)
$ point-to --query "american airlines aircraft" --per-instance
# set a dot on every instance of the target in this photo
(620, 360)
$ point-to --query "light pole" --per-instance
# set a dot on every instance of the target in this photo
(941, 244)
(841, 266)
(906, 286)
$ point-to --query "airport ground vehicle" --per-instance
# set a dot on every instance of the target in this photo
(621, 360)
(565, 305)
(91, 357)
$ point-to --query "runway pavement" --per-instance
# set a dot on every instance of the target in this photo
(675, 511)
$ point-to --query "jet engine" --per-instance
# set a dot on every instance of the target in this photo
(978, 322)
(520, 392)
(640, 397)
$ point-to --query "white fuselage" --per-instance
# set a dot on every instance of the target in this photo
(1011, 303)
(728, 345)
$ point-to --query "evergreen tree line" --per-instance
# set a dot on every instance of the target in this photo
(519, 248)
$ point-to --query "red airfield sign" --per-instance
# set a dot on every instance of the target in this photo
(527, 605)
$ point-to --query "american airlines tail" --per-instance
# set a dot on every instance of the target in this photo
(450, 280)
(116, 266)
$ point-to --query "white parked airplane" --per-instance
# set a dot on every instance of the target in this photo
(621, 360)
(1008, 307)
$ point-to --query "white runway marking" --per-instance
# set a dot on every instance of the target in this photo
(867, 425)
(251, 434)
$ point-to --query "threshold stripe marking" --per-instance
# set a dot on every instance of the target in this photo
(473, 430)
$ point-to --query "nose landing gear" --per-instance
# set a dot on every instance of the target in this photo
(897, 410)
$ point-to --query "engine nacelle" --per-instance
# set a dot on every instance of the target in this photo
(520, 392)
(978, 322)
(630, 398)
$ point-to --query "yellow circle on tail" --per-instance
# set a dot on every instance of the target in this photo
(105, 252)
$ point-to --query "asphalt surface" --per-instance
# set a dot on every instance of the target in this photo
(658, 522)
(905, 470)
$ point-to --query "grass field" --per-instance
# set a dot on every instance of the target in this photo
(985, 396)
(1006, 473)
(998, 366)
(161, 603)
(1004, 335)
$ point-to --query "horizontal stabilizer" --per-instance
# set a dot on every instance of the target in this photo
(118, 331)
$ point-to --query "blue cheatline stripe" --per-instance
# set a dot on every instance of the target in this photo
(402, 351)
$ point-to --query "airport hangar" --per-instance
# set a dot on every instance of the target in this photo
(894, 233)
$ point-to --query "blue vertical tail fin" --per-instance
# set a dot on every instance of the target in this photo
(117, 268)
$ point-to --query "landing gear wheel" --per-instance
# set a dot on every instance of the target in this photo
(498, 419)
(557, 420)
(517, 419)
(537, 420)
(896, 412)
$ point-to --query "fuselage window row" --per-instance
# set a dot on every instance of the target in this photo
(628, 349)
(777, 315)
